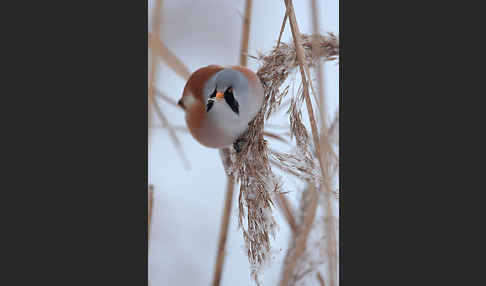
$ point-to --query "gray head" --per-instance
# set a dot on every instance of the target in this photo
(229, 87)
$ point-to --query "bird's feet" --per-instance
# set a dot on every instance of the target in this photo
(239, 144)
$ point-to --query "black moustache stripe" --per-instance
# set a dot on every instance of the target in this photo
(230, 99)
(209, 105)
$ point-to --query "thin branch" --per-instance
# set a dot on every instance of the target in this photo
(245, 33)
(172, 133)
(301, 240)
(169, 58)
(223, 234)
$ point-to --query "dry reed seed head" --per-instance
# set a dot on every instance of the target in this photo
(297, 128)
(282, 60)
(252, 170)
(298, 165)
(251, 166)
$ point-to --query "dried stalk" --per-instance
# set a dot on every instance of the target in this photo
(328, 219)
(246, 33)
(153, 66)
(321, 155)
(330, 229)
(223, 234)
(315, 47)
(300, 57)
(169, 58)
(158, 49)
(250, 56)
(300, 242)
(156, 29)
(151, 78)
(165, 98)
(320, 279)
(286, 208)
(282, 28)
(172, 132)
(330, 158)
(288, 212)
(330, 240)
(150, 207)
(150, 194)
(295, 31)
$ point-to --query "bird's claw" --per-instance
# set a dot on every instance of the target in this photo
(239, 144)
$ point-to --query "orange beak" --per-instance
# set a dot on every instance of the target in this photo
(219, 95)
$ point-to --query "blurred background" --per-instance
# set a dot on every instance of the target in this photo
(188, 200)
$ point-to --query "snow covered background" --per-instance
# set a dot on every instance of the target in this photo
(188, 203)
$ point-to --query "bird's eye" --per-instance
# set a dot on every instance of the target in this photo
(213, 94)
(210, 103)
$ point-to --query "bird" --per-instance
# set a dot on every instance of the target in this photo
(219, 103)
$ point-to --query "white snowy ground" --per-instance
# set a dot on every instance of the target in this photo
(188, 203)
